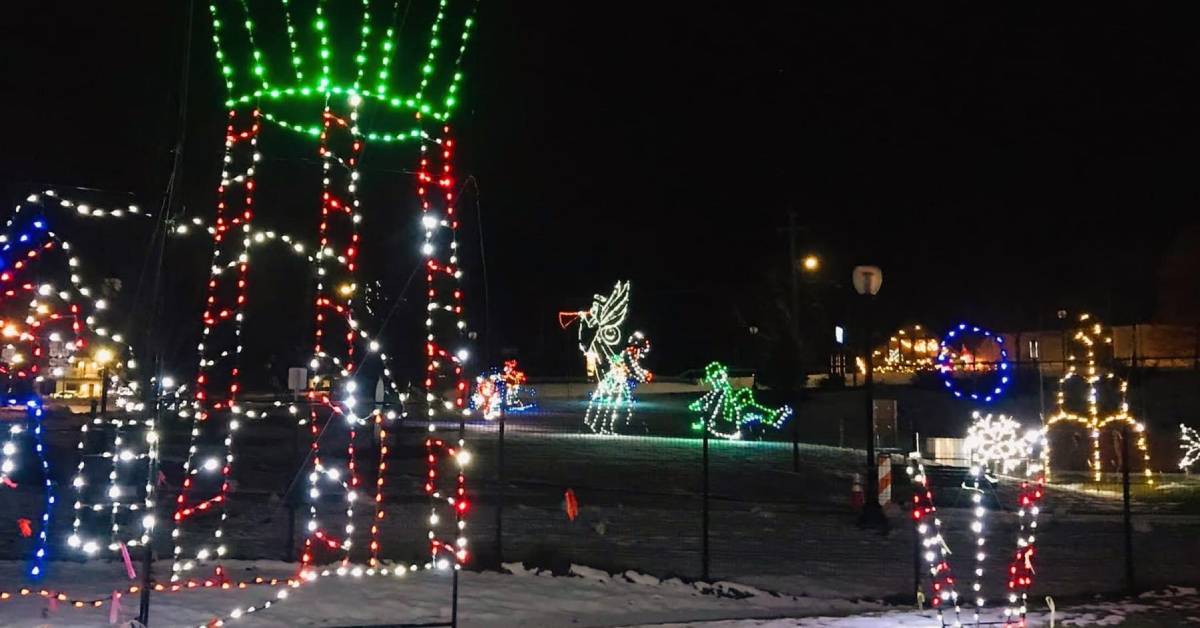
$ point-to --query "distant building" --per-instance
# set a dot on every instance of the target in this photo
(80, 379)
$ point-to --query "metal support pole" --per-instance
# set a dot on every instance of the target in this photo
(795, 446)
(454, 600)
(500, 485)
(152, 480)
(916, 553)
(704, 507)
(872, 513)
(103, 390)
(801, 378)
(290, 543)
(1129, 579)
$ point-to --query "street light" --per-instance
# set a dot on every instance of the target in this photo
(811, 263)
(867, 281)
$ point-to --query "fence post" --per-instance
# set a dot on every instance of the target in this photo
(151, 480)
(290, 544)
(916, 537)
(500, 484)
(1129, 580)
(704, 507)
(795, 445)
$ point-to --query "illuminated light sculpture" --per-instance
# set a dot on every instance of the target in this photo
(725, 410)
(60, 323)
(1019, 577)
(611, 403)
(1089, 339)
(488, 397)
(949, 360)
(417, 116)
(1189, 442)
(502, 389)
(995, 443)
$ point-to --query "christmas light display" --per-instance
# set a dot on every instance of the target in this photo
(501, 390)
(344, 81)
(321, 70)
(445, 386)
(1020, 570)
(1189, 442)
(215, 412)
(1090, 339)
(334, 343)
(929, 527)
(725, 411)
(59, 324)
(488, 397)
(611, 403)
(954, 355)
(908, 351)
(995, 443)
(935, 550)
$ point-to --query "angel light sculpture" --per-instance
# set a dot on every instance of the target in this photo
(617, 369)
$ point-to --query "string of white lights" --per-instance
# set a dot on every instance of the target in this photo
(216, 413)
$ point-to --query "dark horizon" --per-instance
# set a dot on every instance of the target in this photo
(998, 165)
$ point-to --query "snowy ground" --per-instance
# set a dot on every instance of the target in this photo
(640, 509)
(526, 597)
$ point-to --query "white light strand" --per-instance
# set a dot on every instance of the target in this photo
(1189, 442)
(209, 464)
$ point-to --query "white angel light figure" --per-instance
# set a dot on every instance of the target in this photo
(615, 367)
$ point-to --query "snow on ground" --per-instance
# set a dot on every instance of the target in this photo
(1174, 606)
(524, 596)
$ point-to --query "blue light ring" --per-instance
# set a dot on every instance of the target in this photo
(1003, 379)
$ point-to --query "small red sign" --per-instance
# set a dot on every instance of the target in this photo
(571, 504)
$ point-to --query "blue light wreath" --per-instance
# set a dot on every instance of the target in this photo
(946, 367)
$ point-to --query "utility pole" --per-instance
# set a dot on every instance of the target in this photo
(801, 375)
(795, 293)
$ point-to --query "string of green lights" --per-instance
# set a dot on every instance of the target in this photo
(373, 55)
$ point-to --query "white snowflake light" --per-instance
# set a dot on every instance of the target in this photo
(995, 443)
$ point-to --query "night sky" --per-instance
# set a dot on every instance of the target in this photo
(998, 163)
